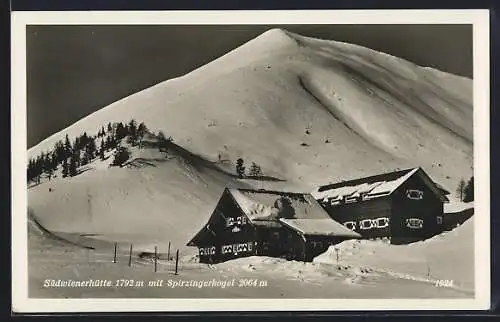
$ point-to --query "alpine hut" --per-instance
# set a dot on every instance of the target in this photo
(249, 222)
(404, 205)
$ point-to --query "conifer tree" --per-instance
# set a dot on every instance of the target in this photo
(469, 190)
(255, 170)
(141, 132)
(460, 189)
(101, 150)
(132, 131)
(65, 168)
(73, 164)
(108, 144)
(121, 155)
(67, 148)
(162, 141)
(121, 131)
(240, 168)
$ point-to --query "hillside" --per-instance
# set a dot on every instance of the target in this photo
(308, 111)
(378, 112)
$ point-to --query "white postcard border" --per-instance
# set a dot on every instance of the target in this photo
(480, 20)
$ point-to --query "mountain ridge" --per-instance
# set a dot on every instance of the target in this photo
(353, 88)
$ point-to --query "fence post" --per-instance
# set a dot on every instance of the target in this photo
(114, 256)
(168, 252)
(176, 261)
(130, 256)
(156, 258)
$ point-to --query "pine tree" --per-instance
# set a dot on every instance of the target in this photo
(141, 132)
(67, 148)
(460, 189)
(50, 172)
(121, 131)
(65, 168)
(59, 151)
(90, 150)
(108, 144)
(110, 128)
(469, 190)
(162, 141)
(78, 160)
(73, 164)
(121, 155)
(84, 140)
(101, 150)
(31, 166)
(240, 168)
(132, 131)
(254, 170)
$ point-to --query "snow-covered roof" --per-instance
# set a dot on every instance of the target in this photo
(261, 205)
(322, 227)
(373, 186)
(268, 209)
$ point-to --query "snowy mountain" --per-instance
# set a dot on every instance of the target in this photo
(308, 111)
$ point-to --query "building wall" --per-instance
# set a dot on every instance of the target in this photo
(371, 217)
(235, 235)
(417, 212)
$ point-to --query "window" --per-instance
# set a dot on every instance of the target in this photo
(381, 222)
(366, 224)
(350, 224)
(414, 223)
(414, 194)
(334, 202)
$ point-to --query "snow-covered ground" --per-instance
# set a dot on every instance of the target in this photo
(251, 277)
(448, 256)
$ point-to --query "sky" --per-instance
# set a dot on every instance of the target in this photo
(75, 70)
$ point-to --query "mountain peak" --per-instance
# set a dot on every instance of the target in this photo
(275, 36)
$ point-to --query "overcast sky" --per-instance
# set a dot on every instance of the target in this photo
(73, 71)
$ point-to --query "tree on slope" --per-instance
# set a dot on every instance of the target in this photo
(101, 150)
(141, 131)
(460, 189)
(163, 141)
(121, 131)
(67, 147)
(73, 164)
(255, 170)
(65, 168)
(240, 168)
(469, 190)
(121, 155)
(132, 132)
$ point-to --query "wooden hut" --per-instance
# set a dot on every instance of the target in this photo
(405, 205)
(249, 222)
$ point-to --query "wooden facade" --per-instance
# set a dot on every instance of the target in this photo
(248, 222)
(404, 206)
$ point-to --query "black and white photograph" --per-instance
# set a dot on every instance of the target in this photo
(274, 158)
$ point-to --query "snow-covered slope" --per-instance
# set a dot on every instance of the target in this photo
(448, 256)
(308, 111)
(379, 112)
